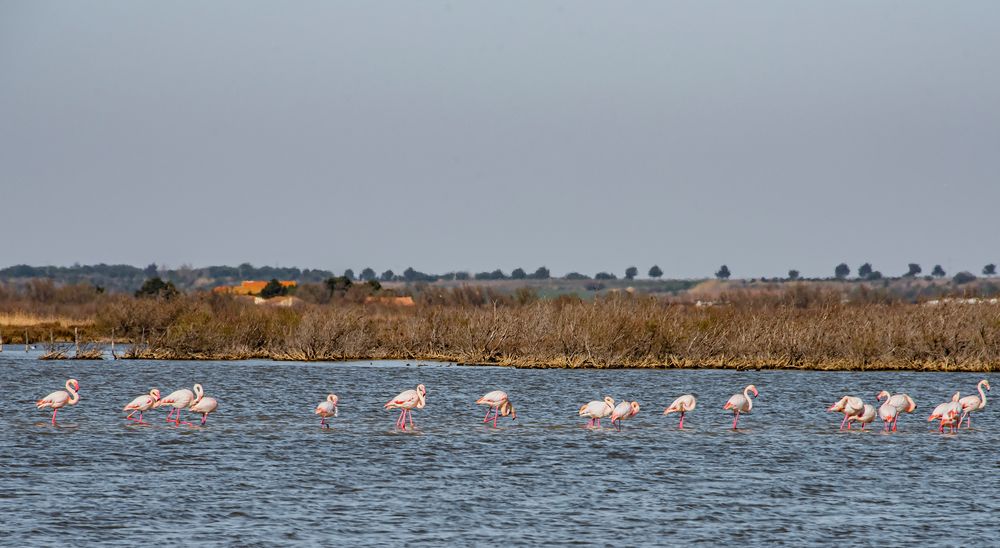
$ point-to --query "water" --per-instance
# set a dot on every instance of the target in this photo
(262, 471)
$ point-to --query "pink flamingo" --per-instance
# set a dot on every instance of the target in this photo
(407, 401)
(204, 405)
(499, 404)
(947, 413)
(179, 400)
(682, 405)
(741, 403)
(61, 398)
(623, 411)
(888, 413)
(140, 404)
(973, 403)
(902, 402)
(850, 406)
(597, 410)
(865, 418)
(327, 409)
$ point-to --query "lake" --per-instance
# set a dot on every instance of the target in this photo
(263, 472)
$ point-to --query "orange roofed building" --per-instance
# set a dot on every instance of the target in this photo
(250, 287)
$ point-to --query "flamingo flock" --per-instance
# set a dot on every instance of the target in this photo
(950, 414)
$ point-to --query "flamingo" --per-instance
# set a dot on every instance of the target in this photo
(973, 403)
(597, 410)
(61, 398)
(140, 404)
(407, 400)
(204, 405)
(902, 402)
(180, 399)
(866, 417)
(888, 413)
(946, 413)
(741, 403)
(499, 404)
(327, 409)
(623, 411)
(850, 406)
(682, 405)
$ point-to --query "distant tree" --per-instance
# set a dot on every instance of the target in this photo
(368, 274)
(864, 270)
(913, 270)
(990, 270)
(462, 276)
(273, 289)
(151, 271)
(842, 271)
(541, 274)
(963, 278)
(374, 285)
(874, 275)
(938, 272)
(793, 274)
(575, 276)
(409, 274)
(349, 274)
(498, 275)
(631, 272)
(338, 284)
(723, 273)
(387, 276)
(655, 272)
(518, 274)
(604, 276)
(482, 275)
(155, 287)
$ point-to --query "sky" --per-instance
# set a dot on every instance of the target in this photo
(474, 135)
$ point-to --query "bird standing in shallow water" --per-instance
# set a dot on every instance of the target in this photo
(179, 400)
(902, 402)
(947, 413)
(597, 410)
(741, 403)
(623, 411)
(499, 404)
(866, 417)
(203, 405)
(850, 406)
(327, 409)
(140, 404)
(973, 403)
(407, 401)
(61, 398)
(681, 405)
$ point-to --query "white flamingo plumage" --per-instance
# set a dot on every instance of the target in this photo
(203, 406)
(327, 409)
(498, 404)
(682, 405)
(180, 400)
(741, 403)
(888, 413)
(902, 402)
(623, 411)
(973, 403)
(141, 404)
(597, 410)
(60, 398)
(866, 416)
(407, 401)
(850, 406)
(947, 413)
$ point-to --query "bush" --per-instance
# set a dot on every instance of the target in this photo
(963, 277)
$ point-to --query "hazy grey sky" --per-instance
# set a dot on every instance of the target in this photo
(474, 135)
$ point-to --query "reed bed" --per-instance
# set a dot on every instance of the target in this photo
(796, 331)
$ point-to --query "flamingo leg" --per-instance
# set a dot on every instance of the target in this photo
(129, 416)
(54, 411)
(496, 413)
(736, 419)
(140, 418)
(682, 421)
(842, 422)
(399, 421)
(486, 419)
(894, 423)
(409, 415)
(204, 418)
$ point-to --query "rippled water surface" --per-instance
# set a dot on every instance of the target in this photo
(263, 472)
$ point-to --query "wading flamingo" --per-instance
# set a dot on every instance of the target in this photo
(327, 409)
(741, 403)
(623, 411)
(204, 405)
(902, 402)
(61, 398)
(865, 418)
(888, 413)
(597, 410)
(947, 413)
(850, 406)
(499, 404)
(682, 405)
(179, 400)
(407, 401)
(971, 404)
(140, 404)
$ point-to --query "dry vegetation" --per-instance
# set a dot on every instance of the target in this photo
(800, 326)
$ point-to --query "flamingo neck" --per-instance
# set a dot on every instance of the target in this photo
(982, 395)
(199, 392)
(73, 396)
